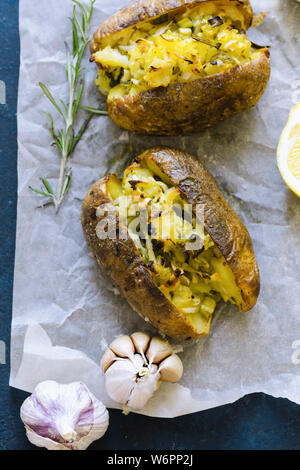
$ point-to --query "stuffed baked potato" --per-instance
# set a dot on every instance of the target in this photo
(167, 277)
(174, 66)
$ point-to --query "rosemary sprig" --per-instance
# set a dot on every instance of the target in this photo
(66, 138)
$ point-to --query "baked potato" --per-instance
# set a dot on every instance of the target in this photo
(166, 275)
(175, 66)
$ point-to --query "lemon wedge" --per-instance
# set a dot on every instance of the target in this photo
(288, 151)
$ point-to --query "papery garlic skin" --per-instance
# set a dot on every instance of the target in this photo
(120, 380)
(144, 389)
(63, 417)
(135, 365)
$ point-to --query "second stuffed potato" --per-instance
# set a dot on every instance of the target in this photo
(171, 284)
(175, 66)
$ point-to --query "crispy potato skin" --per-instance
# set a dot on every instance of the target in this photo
(184, 107)
(143, 10)
(196, 105)
(122, 263)
(198, 186)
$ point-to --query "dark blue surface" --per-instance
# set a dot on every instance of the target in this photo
(255, 422)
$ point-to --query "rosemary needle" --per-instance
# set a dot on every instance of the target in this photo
(66, 138)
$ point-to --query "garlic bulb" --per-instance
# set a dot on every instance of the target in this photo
(135, 365)
(63, 417)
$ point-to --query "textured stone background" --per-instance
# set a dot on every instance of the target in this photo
(255, 422)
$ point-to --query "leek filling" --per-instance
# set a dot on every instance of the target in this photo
(194, 280)
(186, 47)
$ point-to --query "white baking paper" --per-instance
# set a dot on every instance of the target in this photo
(65, 313)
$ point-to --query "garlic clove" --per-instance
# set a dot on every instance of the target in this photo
(123, 346)
(138, 362)
(108, 358)
(171, 369)
(143, 390)
(158, 350)
(39, 441)
(99, 425)
(61, 417)
(140, 341)
(120, 379)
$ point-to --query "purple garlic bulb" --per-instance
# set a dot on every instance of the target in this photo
(63, 417)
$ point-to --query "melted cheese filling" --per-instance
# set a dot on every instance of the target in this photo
(194, 280)
(168, 50)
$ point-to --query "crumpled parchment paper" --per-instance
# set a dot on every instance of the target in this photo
(65, 313)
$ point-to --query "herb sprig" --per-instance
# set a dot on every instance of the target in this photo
(66, 138)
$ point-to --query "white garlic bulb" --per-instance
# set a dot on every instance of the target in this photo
(63, 417)
(135, 365)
